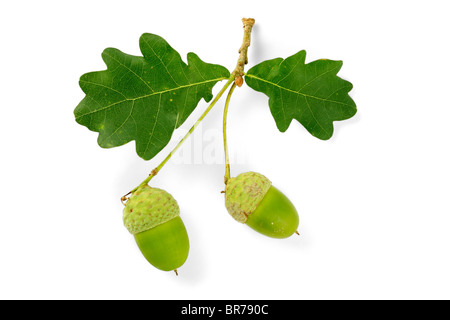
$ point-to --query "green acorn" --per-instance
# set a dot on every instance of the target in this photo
(152, 216)
(250, 198)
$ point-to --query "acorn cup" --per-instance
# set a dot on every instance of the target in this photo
(251, 198)
(152, 216)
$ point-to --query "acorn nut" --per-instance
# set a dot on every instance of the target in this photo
(251, 198)
(152, 216)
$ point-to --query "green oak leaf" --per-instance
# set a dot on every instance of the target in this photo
(144, 98)
(311, 93)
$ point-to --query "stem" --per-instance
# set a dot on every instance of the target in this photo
(225, 112)
(156, 170)
(243, 60)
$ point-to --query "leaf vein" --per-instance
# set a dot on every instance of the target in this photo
(123, 123)
(129, 69)
(151, 94)
(297, 92)
(160, 59)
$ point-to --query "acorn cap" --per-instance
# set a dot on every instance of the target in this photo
(147, 208)
(243, 194)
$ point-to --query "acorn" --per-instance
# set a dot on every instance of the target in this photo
(152, 215)
(251, 198)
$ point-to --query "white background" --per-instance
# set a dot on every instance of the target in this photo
(373, 200)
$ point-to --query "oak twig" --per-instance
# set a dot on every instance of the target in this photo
(243, 59)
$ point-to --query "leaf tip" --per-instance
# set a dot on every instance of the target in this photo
(301, 55)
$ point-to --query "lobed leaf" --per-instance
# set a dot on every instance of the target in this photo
(311, 93)
(144, 98)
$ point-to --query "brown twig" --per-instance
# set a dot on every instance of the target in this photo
(243, 59)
